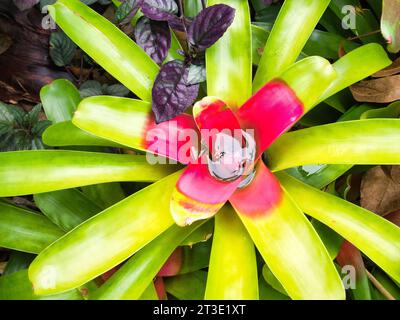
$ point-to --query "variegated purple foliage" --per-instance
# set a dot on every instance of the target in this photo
(160, 10)
(171, 94)
(153, 37)
(210, 25)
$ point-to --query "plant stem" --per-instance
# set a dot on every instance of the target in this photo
(203, 4)
(180, 6)
(80, 71)
(379, 286)
(182, 18)
(364, 35)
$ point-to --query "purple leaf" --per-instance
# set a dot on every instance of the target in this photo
(154, 38)
(25, 4)
(176, 23)
(210, 25)
(161, 10)
(171, 95)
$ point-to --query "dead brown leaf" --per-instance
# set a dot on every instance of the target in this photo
(394, 217)
(25, 66)
(391, 70)
(342, 50)
(380, 192)
(5, 43)
(382, 90)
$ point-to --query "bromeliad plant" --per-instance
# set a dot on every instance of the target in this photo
(266, 209)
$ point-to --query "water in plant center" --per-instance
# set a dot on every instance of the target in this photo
(232, 158)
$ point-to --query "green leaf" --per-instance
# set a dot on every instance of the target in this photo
(376, 6)
(232, 273)
(90, 88)
(37, 131)
(66, 208)
(259, 5)
(333, 24)
(67, 134)
(116, 90)
(229, 69)
(369, 141)
(94, 88)
(364, 20)
(355, 66)
(150, 293)
(294, 252)
(17, 286)
(321, 114)
(332, 241)
(288, 37)
(201, 234)
(25, 230)
(190, 286)
(268, 14)
(309, 78)
(10, 114)
(105, 240)
(376, 237)
(259, 38)
(387, 283)
(341, 100)
(355, 112)
(32, 117)
(269, 293)
(391, 111)
(44, 3)
(175, 48)
(88, 2)
(326, 44)
(192, 7)
(30, 172)
(106, 44)
(195, 257)
(272, 280)
(105, 195)
(60, 100)
(318, 176)
(120, 120)
(62, 49)
(390, 25)
(17, 261)
(132, 279)
(8, 119)
(124, 10)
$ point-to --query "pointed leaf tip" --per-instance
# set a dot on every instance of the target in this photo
(210, 25)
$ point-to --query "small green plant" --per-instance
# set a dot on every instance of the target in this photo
(260, 203)
(20, 130)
